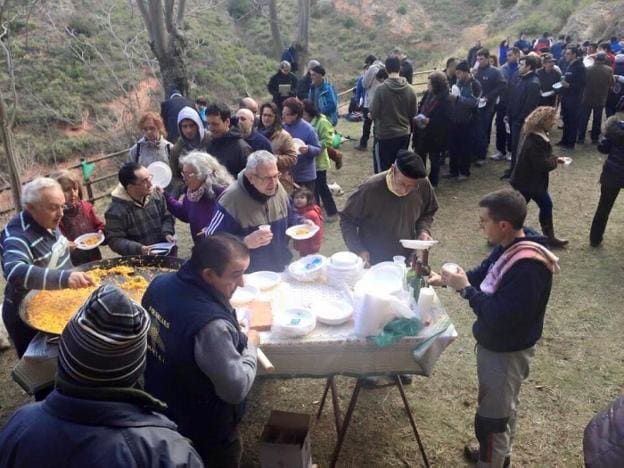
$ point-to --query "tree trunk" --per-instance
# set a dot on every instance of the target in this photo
(278, 45)
(164, 26)
(303, 36)
(9, 149)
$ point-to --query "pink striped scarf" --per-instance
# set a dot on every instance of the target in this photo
(519, 251)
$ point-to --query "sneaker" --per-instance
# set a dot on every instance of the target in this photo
(580, 142)
(508, 157)
(331, 218)
(335, 189)
(498, 156)
(449, 176)
(480, 163)
(462, 178)
(506, 175)
(359, 147)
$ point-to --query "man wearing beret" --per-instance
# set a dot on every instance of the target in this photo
(395, 204)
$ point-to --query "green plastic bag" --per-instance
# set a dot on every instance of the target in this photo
(336, 140)
(397, 329)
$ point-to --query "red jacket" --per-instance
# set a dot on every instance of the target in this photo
(312, 245)
(78, 220)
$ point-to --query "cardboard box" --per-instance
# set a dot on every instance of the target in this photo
(285, 441)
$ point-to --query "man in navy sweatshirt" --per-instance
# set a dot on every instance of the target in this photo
(508, 294)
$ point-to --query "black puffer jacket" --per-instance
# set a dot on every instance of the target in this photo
(613, 145)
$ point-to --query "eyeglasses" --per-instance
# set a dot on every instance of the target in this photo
(188, 174)
(265, 179)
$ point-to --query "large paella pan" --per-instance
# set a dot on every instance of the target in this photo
(49, 311)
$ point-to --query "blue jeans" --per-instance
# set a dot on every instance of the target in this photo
(570, 113)
(483, 128)
(545, 205)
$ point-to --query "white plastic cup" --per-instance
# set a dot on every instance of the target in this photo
(399, 260)
(265, 227)
(425, 304)
(450, 267)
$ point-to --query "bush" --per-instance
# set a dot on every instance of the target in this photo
(349, 23)
(239, 8)
(402, 10)
(81, 25)
(508, 3)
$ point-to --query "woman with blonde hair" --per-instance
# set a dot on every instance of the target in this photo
(282, 144)
(205, 180)
(153, 145)
(535, 161)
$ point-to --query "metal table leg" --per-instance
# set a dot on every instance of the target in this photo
(345, 424)
(330, 384)
(399, 384)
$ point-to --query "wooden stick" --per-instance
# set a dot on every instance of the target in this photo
(266, 364)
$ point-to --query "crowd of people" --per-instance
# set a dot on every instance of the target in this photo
(239, 180)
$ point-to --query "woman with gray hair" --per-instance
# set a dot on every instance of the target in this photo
(283, 84)
(205, 179)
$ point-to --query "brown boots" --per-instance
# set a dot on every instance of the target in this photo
(549, 232)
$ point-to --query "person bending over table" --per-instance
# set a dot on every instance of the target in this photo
(137, 216)
(395, 204)
(199, 361)
(508, 293)
(256, 208)
(35, 255)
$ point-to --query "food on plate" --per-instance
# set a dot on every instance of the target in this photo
(91, 240)
(50, 311)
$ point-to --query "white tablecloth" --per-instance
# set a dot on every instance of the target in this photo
(331, 350)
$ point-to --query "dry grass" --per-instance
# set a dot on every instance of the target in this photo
(576, 372)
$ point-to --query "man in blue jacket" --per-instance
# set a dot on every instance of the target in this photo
(524, 96)
(96, 417)
(571, 97)
(323, 94)
(492, 86)
(200, 362)
(508, 294)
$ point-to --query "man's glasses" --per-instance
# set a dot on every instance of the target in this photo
(265, 179)
(144, 180)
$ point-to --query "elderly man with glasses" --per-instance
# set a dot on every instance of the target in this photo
(137, 217)
(256, 208)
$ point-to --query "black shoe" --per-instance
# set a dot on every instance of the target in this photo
(506, 175)
(360, 148)
(594, 142)
(560, 143)
(595, 243)
(449, 176)
(580, 142)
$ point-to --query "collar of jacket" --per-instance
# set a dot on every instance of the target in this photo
(121, 193)
(121, 394)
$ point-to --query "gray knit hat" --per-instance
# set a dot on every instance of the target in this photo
(104, 344)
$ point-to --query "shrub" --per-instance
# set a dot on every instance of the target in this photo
(239, 8)
(402, 10)
(349, 23)
(81, 25)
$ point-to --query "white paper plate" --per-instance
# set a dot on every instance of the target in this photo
(547, 93)
(294, 322)
(557, 85)
(344, 260)
(296, 232)
(418, 244)
(567, 161)
(161, 174)
(384, 278)
(263, 280)
(161, 248)
(482, 103)
(86, 241)
(334, 312)
(298, 143)
(244, 295)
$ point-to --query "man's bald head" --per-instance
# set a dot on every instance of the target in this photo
(248, 103)
(245, 121)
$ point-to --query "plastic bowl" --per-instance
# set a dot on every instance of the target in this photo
(294, 322)
(244, 295)
(308, 268)
(344, 260)
(333, 312)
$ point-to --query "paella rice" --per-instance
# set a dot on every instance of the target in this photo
(50, 311)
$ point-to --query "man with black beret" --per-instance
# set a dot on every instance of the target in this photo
(395, 204)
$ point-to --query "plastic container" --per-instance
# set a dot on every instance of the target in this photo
(309, 268)
(294, 322)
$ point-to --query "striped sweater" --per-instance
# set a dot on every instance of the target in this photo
(32, 257)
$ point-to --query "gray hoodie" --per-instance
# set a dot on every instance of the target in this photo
(392, 108)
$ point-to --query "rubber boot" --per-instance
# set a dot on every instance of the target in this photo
(549, 232)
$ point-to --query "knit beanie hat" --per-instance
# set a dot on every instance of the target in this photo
(410, 164)
(104, 343)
